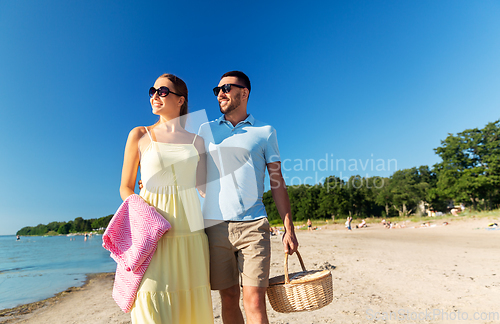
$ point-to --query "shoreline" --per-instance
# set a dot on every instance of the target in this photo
(8, 315)
(57, 235)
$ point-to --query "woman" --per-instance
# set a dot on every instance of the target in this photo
(176, 286)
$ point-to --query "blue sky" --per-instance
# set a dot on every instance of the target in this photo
(351, 80)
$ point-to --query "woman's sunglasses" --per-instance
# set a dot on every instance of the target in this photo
(161, 91)
(225, 88)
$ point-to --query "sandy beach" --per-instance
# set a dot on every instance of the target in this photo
(440, 274)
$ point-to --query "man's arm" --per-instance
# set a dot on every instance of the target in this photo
(280, 196)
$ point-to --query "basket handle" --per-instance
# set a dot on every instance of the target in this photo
(287, 280)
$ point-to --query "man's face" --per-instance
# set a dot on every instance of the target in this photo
(230, 101)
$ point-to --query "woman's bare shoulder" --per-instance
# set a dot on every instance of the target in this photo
(139, 130)
(137, 133)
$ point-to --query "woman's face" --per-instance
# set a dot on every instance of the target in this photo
(169, 106)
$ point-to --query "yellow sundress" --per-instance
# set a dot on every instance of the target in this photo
(176, 285)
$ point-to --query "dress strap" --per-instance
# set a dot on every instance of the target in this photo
(195, 136)
(147, 131)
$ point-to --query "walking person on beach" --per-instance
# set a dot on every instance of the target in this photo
(175, 287)
(239, 149)
(348, 223)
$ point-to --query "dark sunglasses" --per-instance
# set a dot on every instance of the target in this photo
(161, 91)
(226, 88)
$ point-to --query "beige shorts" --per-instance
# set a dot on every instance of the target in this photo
(239, 249)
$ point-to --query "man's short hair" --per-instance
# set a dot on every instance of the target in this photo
(241, 76)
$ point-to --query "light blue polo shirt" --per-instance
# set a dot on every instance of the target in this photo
(236, 165)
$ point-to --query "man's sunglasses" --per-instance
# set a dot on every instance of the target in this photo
(225, 88)
(161, 91)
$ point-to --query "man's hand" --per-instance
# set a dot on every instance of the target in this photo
(290, 243)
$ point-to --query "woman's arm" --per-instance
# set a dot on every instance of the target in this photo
(130, 162)
(201, 171)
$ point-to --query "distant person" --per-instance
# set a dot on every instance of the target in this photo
(18, 238)
(362, 224)
(348, 223)
(309, 225)
(176, 286)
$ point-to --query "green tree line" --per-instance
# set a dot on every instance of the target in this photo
(469, 173)
(79, 225)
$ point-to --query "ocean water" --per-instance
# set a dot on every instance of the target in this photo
(35, 268)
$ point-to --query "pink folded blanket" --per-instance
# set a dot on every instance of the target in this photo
(132, 237)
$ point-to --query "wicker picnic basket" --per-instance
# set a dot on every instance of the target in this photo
(300, 291)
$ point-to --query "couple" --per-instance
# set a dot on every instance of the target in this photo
(227, 160)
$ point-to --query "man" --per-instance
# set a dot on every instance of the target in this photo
(239, 148)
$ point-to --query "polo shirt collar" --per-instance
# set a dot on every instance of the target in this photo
(250, 120)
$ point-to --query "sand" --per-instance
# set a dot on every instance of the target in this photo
(441, 274)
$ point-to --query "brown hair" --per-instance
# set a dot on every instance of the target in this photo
(241, 76)
(180, 88)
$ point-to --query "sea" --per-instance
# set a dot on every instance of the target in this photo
(34, 268)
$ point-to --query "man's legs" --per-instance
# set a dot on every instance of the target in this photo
(230, 299)
(224, 271)
(241, 248)
(254, 301)
(254, 260)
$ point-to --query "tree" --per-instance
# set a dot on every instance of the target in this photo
(303, 201)
(383, 195)
(78, 225)
(408, 189)
(333, 198)
(355, 195)
(372, 188)
(470, 169)
(490, 152)
(64, 228)
(327, 197)
(101, 222)
(271, 210)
